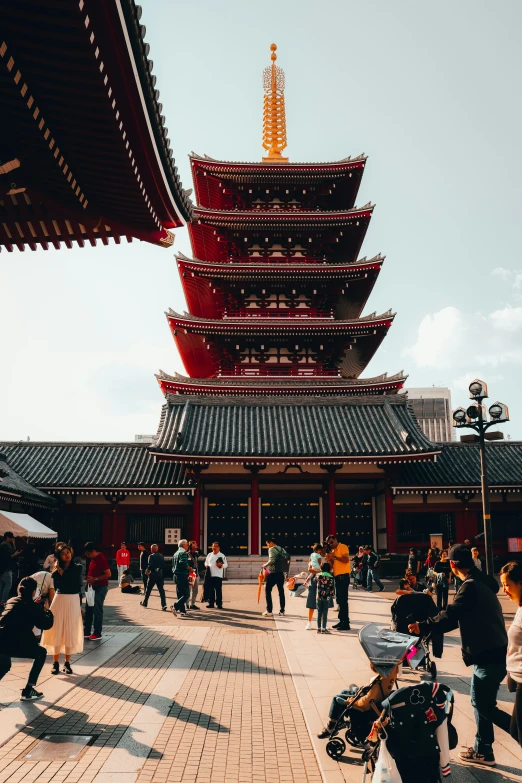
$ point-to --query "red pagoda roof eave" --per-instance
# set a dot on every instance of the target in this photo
(203, 214)
(202, 162)
(297, 269)
(358, 460)
(169, 387)
(255, 323)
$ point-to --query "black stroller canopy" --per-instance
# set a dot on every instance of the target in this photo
(385, 648)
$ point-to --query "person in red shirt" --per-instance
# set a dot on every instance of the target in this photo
(98, 578)
(122, 559)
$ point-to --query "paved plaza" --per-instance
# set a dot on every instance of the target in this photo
(223, 696)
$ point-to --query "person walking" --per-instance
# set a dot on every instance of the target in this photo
(511, 579)
(277, 567)
(193, 556)
(181, 567)
(8, 555)
(156, 577)
(314, 568)
(373, 562)
(66, 634)
(476, 558)
(98, 575)
(339, 559)
(216, 563)
(144, 564)
(325, 594)
(17, 640)
(476, 611)
(122, 559)
(442, 579)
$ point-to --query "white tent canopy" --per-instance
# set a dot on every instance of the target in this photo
(23, 525)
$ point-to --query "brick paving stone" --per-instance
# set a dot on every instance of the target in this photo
(230, 713)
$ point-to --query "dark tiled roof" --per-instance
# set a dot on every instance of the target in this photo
(458, 466)
(94, 466)
(361, 429)
(16, 489)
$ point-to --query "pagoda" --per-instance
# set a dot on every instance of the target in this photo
(275, 290)
(274, 416)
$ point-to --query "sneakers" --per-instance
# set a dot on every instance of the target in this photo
(31, 694)
(142, 603)
(471, 756)
(326, 630)
(193, 606)
(382, 589)
(163, 608)
(267, 614)
(319, 630)
(325, 734)
(94, 637)
(281, 613)
(174, 611)
(308, 627)
(86, 635)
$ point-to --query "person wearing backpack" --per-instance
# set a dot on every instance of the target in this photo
(373, 562)
(277, 566)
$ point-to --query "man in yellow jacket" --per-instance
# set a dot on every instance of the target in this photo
(339, 559)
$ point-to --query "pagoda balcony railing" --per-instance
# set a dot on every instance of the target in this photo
(273, 260)
(292, 371)
(278, 313)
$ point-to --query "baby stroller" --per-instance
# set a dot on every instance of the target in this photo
(417, 607)
(385, 649)
(409, 733)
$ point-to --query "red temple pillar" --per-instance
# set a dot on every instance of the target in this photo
(255, 524)
(390, 520)
(330, 528)
(196, 511)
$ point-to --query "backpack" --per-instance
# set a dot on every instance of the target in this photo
(282, 563)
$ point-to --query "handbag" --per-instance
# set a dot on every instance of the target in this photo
(386, 769)
(89, 595)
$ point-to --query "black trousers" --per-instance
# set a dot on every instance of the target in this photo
(276, 579)
(131, 589)
(342, 583)
(155, 578)
(442, 597)
(216, 592)
(183, 591)
(145, 580)
(38, 653)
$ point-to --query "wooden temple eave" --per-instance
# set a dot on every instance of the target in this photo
(121, 492)
(89, 137)
(259, 268)
(381, 459)
(285, 326)
(450, 490)
(254, 219)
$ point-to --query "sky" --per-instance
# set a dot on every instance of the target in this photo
(429, 91)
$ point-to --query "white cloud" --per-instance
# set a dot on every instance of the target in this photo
(509, 319)
(440, 339)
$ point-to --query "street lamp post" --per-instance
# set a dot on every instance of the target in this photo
(475, 418)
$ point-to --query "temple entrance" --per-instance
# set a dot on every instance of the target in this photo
(227, 522)
(295, 524)
(354, 522)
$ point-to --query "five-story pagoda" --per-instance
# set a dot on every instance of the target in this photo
(275, 341)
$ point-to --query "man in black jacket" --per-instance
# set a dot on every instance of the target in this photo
(476, 611)
(17, 640)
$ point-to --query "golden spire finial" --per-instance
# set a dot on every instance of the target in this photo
(274, 120)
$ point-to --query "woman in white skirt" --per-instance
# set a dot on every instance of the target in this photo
(66, 635)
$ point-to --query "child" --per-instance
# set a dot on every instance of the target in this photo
(126, 581)
(325, 593)
(381, 687)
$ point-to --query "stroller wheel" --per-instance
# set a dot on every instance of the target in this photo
(335, 748)
(433, 670)
(351, 739)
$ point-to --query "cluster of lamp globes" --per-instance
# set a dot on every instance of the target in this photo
(475, 415)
